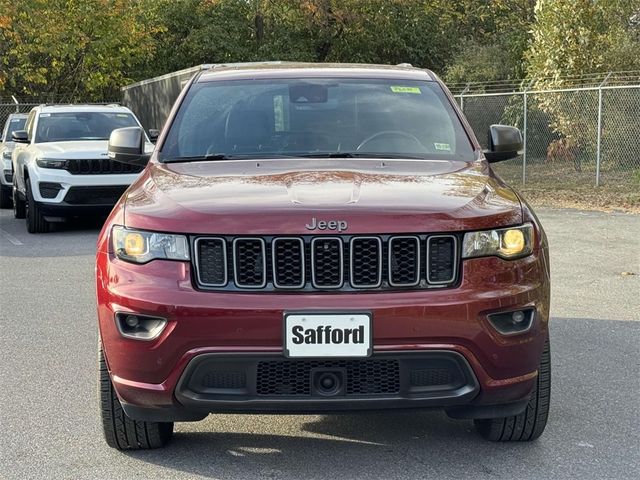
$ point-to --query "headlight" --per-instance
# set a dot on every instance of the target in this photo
(509, 243)
(141, 247)
(51, 163)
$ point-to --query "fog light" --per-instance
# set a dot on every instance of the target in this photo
(131, 321)
(512, 323)
(140, 327)
(518, 317)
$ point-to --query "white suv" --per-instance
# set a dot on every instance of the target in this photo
(15, 121)
(60, 163)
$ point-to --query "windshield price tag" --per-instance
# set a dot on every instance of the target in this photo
(415, 90)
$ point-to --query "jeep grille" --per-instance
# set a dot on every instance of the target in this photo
(99, 166)
(313, 263)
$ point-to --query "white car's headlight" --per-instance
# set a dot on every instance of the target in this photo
(51, 163)
(508, 243)
(139, 246)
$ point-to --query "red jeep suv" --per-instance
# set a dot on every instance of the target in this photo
(320, 238)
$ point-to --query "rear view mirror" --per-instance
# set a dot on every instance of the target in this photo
(505, 142)
(308, 93)
(20, 136)
(127, 145)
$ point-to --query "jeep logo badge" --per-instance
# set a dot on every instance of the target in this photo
(339, 225)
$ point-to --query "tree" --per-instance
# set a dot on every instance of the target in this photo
(579, 37)
(71, 48)
(576, 37)
(379, 31)
(494, 36)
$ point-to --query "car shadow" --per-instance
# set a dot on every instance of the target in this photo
(78, 225)
(408, 444)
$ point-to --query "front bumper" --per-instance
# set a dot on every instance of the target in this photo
(6, 174)
(60, 212)
(67, 181)
(156, 376)
(83, 202)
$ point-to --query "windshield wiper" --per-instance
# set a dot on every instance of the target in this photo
(208, 156)
(225, 156)
(359, 155)
(257, 156)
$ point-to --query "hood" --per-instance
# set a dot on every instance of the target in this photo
(79, 149)
(283, 195)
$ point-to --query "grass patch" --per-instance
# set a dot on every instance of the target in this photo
(563, 187)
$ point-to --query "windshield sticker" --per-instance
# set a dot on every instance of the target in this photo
(122, 115)
(442, 146)
(15, 120)
(42, 115)
(406, 90)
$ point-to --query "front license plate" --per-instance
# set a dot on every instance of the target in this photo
(327, 335)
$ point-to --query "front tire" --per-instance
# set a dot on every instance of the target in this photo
(19, 205)
(120, 431)
(529, 424)
(35, 220)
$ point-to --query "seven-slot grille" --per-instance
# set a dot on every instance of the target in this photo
(99, 166)
(305, 263)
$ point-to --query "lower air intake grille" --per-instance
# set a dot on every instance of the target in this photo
(429, 377)
(363, 377)
(94, 195)
(223, 379)
(49, 189)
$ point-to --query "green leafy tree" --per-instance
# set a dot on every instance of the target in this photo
(377, 31)
(71, 48)
(494, 36)
(578, 37)
(575, 37)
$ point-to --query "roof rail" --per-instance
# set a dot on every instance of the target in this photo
(84, 104)
(246, 64)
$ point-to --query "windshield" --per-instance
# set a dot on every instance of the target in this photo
(13, 124)
(316, 118)
(67, 126)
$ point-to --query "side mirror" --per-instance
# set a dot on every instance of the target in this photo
(126, 145)
(504, 143)
(153, 135)
(20, 136)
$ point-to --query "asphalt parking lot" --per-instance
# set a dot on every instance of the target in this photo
(50, 426)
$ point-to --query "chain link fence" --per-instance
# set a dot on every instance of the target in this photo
(8, 108)
(573, 136)
(584, 135)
